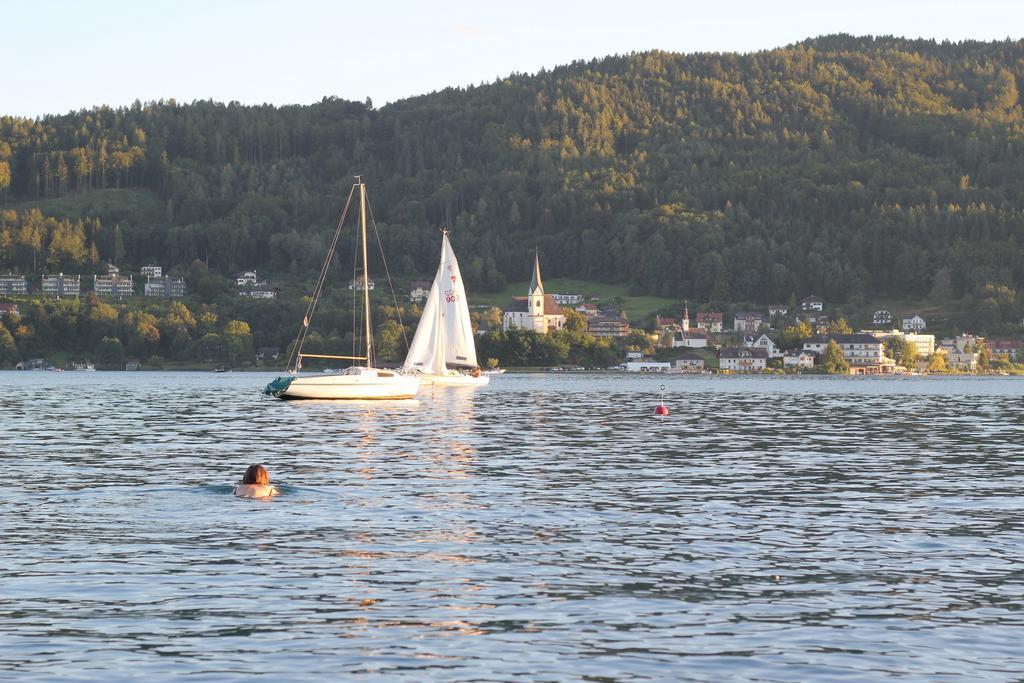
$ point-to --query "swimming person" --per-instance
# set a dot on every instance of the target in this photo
(256, 484)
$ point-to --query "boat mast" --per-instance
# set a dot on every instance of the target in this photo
(366, 274)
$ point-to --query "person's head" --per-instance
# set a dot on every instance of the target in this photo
(256, 474)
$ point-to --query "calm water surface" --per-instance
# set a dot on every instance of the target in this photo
(543, 528)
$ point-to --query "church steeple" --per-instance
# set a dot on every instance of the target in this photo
(536, 296)
(536, 286)
(686, 317)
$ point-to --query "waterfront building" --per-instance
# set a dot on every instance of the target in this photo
(962, 360)
(858, 349)
(742, 359)
(536, 311)
(61, 285)
(798, 359)
(648, 366)
(13, 285)
(113, 285)
(688, 362)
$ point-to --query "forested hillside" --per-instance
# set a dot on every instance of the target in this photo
(849, 167)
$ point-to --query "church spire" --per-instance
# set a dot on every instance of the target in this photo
(536, 286)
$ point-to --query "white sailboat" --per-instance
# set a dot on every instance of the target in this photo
(443, 351)
(357, 382)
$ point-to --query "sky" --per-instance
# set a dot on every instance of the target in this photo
(64, 55)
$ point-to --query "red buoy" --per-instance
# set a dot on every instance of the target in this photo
(661, 408)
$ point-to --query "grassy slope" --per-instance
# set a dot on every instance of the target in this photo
(138, 206)
(637, 307)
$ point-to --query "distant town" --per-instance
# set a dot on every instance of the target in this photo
(802, 336)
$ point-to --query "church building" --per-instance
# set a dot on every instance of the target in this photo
(537, 311)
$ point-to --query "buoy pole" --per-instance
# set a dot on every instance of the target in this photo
(661, 409)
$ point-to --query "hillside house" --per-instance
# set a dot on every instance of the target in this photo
(589, 310)
(881, 318)
(710, 321)
(812, 304)
(357, 283)
(748, 322)
(763, 342)
(914, 323)
(608, 327)
(113, 285)
(61, 285)
(13, 285)
(418, 290)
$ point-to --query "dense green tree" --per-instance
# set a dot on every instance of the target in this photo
(109, 354)
(832, 360)
(901, 351)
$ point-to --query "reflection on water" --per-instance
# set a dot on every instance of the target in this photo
(539, 528)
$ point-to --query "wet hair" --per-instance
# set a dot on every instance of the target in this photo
(256, 474)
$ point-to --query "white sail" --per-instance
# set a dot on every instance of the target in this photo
(460, 348)
(444, 335)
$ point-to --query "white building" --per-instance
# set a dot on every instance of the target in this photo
(113, 285)
(763, 342)
(914, 323)
(742, 359)
(694, 339)
(798, 359)
(61, 285)
(881, 317)
(261, 292)
(165, 286)
(812, 303)
(357, 283)
(13, 284)
(419, 290)
(536, 311)
(688, 362)
(710, 321)
(858, 349)
(567, 299)
(647, 366)
(153, 271)
(748, 322)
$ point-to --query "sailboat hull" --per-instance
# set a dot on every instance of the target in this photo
(347, 387)
(454, 380)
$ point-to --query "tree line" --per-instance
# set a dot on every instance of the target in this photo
(852, 167)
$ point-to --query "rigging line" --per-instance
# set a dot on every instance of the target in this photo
(398, 311)
(300, 339)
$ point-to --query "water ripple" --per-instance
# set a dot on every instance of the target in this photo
(544, 528)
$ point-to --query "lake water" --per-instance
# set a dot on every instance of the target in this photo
(542, 528)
